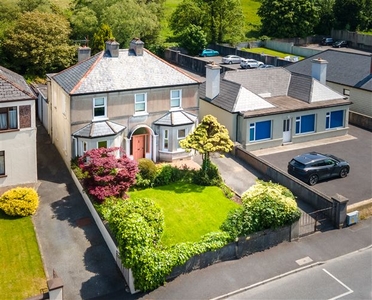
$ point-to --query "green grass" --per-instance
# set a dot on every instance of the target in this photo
(190, 211)
(22, 273)
(269, 52)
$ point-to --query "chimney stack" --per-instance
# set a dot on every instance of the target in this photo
(212, 80)
(112, 48)
(83, 53)
(319, 70)
(136, 45)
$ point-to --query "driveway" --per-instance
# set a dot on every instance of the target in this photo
(356, 148)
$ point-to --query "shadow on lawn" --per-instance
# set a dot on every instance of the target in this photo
(181, 188)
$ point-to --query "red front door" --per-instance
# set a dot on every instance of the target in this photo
(138, 146)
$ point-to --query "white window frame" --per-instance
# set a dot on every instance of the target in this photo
(2, 163)
(180, 137)
(166, 139)
(102, 142)
(104, 105)
(140, 112)
(178, 99)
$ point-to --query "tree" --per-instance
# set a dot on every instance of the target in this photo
(107, 175)
(221, 20)
(288, 18)
(192, 39)
(326, 17)
(366, 16)
(348, 14)
(209, 136)
(38, 43)
(31, 5)
(84, 23)
(100, 37)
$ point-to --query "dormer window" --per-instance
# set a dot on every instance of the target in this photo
(175, 96)
(99, 108)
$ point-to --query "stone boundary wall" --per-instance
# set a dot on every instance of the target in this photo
(360, 120)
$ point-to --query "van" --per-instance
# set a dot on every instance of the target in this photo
(327, 41)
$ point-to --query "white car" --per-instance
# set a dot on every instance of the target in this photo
(231, 59)
(250, 63)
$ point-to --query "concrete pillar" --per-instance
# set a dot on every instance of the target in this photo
(339, 210)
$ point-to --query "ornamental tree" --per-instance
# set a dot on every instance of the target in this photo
(107, 175)
(209, 136)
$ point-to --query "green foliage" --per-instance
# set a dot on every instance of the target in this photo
(348, 14)
(147, 169)
(103, 34)
(288, 18)
(265, 205)
(208, 176)
(192, 38)
(84, 23)
(19, 201)
(38, 43)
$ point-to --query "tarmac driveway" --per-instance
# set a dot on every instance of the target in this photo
(356, 148)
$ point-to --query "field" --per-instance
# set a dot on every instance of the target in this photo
(22, 273)
(190, 210)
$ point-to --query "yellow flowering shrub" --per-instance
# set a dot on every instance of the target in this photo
(19, 201)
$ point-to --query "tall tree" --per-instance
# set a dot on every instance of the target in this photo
(348, 14)
(326, 17)
(208, 137)
(100, 37)
(84, 23)
(366, 16)
(288, 18)
(193, 39)
(38, 43)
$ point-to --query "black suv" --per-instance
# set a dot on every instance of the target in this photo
(313, 166)
(327, 41)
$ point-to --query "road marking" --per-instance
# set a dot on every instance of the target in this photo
(350, 291)
(303, 261)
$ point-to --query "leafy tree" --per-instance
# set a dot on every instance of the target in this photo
(100, 37)
(31, 5)
(209, 136)
(107, 175)
(326, 17)
(38, 43)
(288, 18)
(366, 16)
(348, 14)
(221, 20)
(84, 23)
(193, 39)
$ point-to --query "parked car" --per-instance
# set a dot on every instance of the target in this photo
(250, 63)
(327, 41)
(340, 44)
(265, 66)
(231, 59)
(313, 166)
(209, 52)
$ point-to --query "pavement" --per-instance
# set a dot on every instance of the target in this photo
(72, 246)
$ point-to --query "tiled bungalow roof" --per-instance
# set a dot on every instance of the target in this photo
(103, 73)
(14, 87)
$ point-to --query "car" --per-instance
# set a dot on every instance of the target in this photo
(231, 59)
(327, 41)
(312, 167)
(340, 44)
(266, 66)
(209, 52)
(250, 63)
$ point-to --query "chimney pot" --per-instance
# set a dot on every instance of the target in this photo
(136, 46)
(83, 53)
(319, 70)
(212, 88)
(112, 48)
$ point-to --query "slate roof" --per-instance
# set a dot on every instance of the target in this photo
(176, 118)
(345, 68)
(271, 91)
(97, 129)
(103, 73)
(14, 87)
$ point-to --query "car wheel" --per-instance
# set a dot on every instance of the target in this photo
(313, 179)
(205, 55)
(343, 173)
(230, 62)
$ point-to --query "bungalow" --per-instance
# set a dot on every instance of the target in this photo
(265, 108)
(126, 98)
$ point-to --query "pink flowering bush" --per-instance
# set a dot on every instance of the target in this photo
(107, 175)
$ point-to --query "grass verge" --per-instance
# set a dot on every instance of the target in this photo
(22, 273)
(190, 210)
(267, 51)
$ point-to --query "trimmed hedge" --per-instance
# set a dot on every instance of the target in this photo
(19, 201)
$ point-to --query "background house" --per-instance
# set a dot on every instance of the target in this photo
(348, 73)
(265, 108)
(18, 160)
(125, 98)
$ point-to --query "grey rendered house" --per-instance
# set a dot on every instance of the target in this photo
(272, 107)
(18, 163)
(125, 98)
(348, 73)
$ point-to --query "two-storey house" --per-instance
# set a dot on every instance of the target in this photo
(18, 158)
(127, 98)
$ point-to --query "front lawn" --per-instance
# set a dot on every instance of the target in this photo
(270, 52)
(190, 210)
(22, 273)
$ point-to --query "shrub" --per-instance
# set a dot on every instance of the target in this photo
(265, 205)
(209, 177)
(168, 174)
(147, 169)
(19, 202)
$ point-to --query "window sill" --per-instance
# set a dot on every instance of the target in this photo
(8, 130)
(3, 176)
(141, 114)
(100, 119)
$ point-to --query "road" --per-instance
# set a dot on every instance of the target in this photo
(346, 277)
